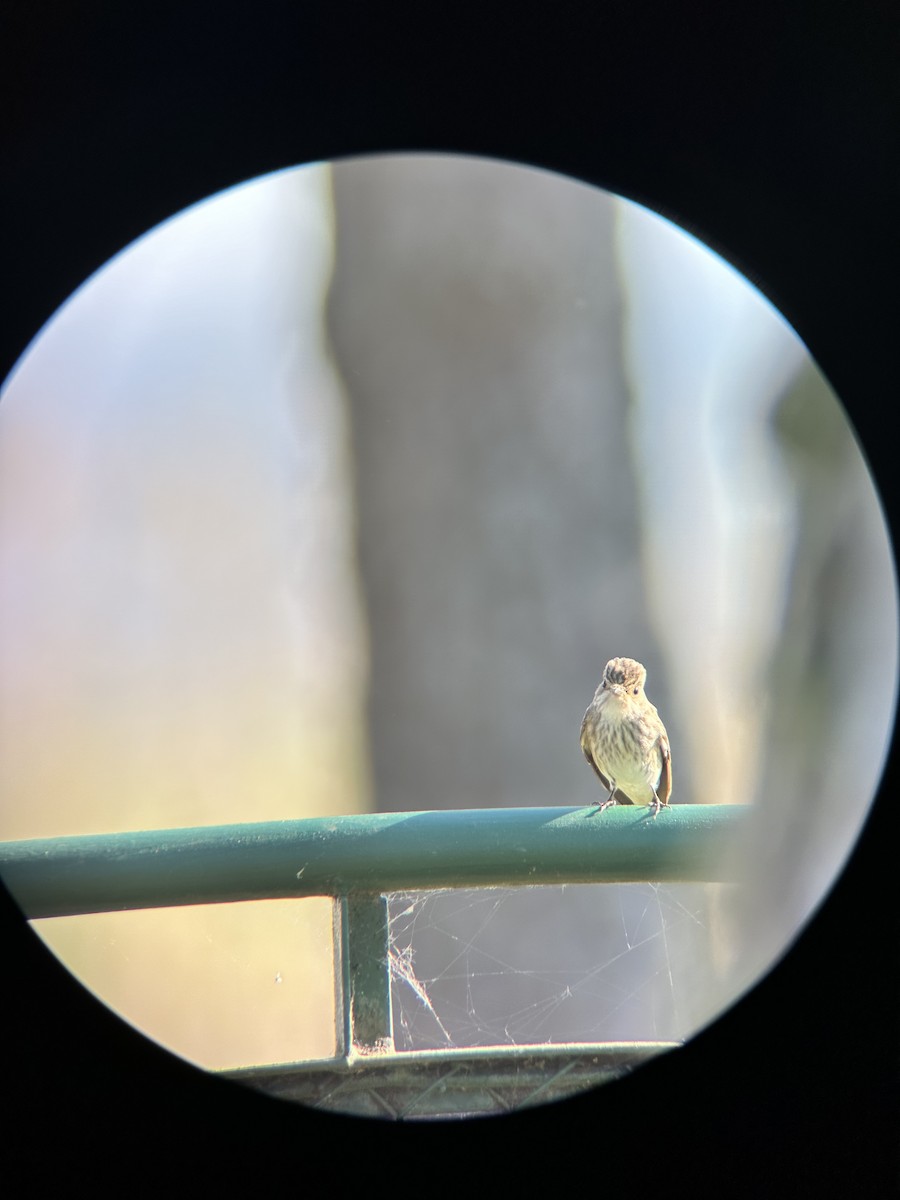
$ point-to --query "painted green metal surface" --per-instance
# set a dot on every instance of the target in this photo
(362, 973)
(376, 853)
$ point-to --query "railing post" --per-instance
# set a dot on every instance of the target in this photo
(362, 974)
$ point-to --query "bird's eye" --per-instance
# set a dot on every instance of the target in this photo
(636, 690)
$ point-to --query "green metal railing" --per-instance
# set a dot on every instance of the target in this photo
(358, 861)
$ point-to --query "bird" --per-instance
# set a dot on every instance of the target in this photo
(625, 741)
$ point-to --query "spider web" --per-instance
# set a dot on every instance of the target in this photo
(526, 966)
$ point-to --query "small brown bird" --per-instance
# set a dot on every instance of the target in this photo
(625, 741)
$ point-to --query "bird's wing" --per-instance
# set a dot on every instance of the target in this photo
(664, 790)
(586, 750)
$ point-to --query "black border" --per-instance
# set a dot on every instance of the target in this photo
(767, 129)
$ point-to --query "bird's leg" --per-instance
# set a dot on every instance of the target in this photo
(656, 804)
(611, 801)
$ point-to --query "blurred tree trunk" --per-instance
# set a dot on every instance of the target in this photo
(474, 315)
(824, 749)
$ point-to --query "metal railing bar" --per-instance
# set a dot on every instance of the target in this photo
(372, 852)
(429, 1083)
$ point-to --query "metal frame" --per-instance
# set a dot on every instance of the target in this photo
(358, 860)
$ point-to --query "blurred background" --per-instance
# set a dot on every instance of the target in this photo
(336, 493)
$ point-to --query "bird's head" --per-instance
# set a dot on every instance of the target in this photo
(623, 677)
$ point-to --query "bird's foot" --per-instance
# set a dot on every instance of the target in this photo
(656, 804)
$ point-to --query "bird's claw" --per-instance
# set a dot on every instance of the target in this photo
(656, 804)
